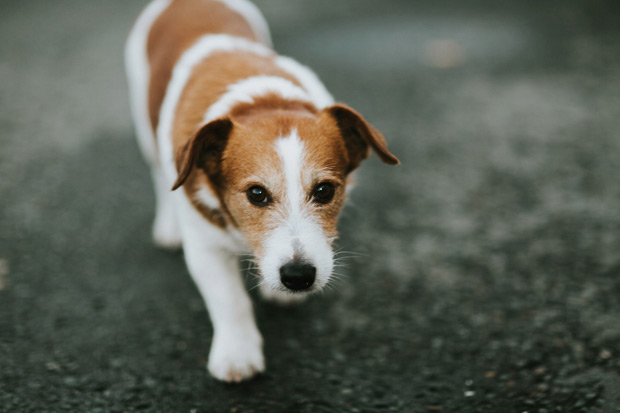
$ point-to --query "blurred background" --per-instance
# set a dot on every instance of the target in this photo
(486, 267)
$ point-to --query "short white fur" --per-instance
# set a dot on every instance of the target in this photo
(165, 226)
(205, 196)
(308, 79)
(246, 90)
(138, 75)
(253, 16)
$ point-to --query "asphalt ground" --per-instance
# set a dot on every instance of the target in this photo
(486, 269)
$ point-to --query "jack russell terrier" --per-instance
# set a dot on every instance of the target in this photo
(257, 155)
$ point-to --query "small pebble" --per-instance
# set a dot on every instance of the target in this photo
(70, 381)
(52, 366)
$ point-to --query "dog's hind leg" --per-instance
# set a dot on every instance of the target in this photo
(166, 232)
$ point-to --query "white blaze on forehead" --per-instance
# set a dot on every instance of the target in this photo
(291, 153)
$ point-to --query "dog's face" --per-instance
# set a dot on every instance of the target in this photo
(283, 180)
(285, 186)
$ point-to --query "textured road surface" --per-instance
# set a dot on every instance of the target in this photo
(487, 277)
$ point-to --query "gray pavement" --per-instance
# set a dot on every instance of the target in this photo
(487, 273)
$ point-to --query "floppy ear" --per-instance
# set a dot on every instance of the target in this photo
(359, 136)
(204, 150)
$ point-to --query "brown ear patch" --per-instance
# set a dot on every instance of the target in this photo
(359, 136)
(204, 150)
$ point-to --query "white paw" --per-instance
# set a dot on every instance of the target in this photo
(166, 232)
(281, 297)
(237, 356)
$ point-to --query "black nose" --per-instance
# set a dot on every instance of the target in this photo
(297, 276)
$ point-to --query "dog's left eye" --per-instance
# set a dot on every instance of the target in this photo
(258, 196)
(323, 193)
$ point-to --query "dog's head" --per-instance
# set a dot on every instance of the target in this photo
(281, 181)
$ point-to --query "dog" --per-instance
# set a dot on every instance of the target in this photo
(249, 153)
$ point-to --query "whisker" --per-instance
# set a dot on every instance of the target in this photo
(258, 285)
(353, 253)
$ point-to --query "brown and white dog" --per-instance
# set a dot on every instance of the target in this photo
(257, 152)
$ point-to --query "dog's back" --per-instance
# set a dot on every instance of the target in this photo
(162, 33)
(180, 25)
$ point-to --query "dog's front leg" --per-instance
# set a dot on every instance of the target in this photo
(236, 350)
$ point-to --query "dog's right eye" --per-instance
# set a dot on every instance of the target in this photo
(258, 196)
